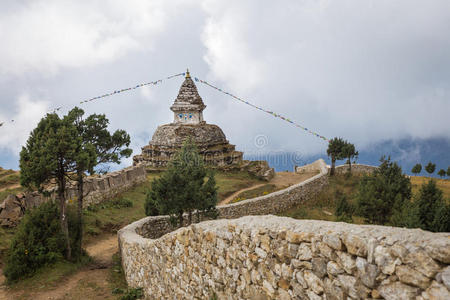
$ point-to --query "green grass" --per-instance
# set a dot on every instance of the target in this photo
(49, 276)
(322, 206)
(9, 179)
(256, 192)
(6, 235)
(15, 191)
(110, 216)
(231, 182)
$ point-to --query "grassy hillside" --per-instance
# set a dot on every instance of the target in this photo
(323, 206)
(443, 184)
(9, 183)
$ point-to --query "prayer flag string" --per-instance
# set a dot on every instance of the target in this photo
(2, 123)
(262, 109)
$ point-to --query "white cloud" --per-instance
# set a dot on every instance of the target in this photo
(14, 133)
(228, 53)
(46, 35)
(364, 70)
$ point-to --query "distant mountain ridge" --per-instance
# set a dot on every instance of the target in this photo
(406, 152)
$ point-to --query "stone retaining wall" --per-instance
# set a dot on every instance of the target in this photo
(269, 257)
(96, 188)
(356, 169)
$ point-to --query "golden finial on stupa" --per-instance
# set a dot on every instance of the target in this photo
(187, 74)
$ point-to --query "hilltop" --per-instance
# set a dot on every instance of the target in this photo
(9, 183)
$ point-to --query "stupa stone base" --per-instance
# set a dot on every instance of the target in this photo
(168, 139)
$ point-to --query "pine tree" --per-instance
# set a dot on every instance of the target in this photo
(50, 155)
(349, 152)
(441, 172)
(417, 169)
(434, 213)
(430, 167)
(182, 187)
(335, 151)
(97, 147)
(383, 192)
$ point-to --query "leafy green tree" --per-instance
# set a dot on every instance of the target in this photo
(98, 146)
(38, 241)
(183, 188)
(433, 212)
(430, 167)
(335, 151)
(383, 192)
(349, 152)
(50, 156)
(417, 169)
(448, 171)
(442, 173)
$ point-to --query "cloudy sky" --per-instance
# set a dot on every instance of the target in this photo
(365, 70)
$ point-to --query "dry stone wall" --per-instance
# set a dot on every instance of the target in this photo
(269, 257)
(356, 169)
(97, 189)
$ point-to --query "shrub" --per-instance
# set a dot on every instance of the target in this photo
(121, 203)
(132, 294)
(37, 242)
(383, 192)
(433, 212)
(344, 210)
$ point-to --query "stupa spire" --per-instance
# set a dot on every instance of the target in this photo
(188, 106)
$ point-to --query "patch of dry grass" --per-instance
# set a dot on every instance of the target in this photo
(443, 184)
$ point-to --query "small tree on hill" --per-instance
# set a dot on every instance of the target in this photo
(383, 192)
(98, 146)
(417, 169)
(448, 171)
(50, 155)
(335, 151)
(433, 212)
(430, 167)
(183, 188)
(442, 173)
(349, 152)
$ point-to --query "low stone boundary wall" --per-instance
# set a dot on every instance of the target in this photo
(255, 257)
(96, 188)
(356, 169)
(314, 166)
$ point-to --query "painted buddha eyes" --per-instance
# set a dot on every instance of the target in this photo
(185, 116)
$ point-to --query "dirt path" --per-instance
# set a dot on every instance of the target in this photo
(280, 180)
(88, 283)
(10, 187)
(235, 194)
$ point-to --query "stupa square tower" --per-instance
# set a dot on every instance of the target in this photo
(188, 122)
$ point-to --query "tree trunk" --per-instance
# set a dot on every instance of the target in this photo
(63, 214)
(80, 213)
(190, 217)
(180, 218)
(349, 165)
(333, 164)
